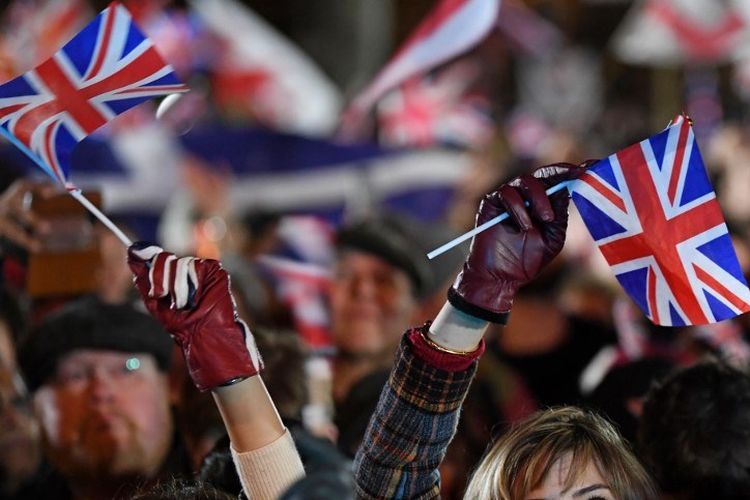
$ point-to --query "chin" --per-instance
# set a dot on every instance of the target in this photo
(363, 342)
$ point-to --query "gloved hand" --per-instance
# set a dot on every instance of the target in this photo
(510, 254)
(191, 298)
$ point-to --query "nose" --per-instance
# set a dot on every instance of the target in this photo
(101, 387)
(363, 287)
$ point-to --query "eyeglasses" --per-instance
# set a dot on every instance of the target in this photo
(74, 372)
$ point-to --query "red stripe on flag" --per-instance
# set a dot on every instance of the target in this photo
(652, 295)
(679, 158)
(11, 109)
(604, 191)
(145, 65)
(68, 96)
(103, 45)
(723, 291)
(156, 88)
(50, 153)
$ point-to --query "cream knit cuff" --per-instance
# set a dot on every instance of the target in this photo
(268, 472)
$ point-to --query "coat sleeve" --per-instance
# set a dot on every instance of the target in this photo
(415, 420)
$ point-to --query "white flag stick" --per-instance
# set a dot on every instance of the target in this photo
(74, 191)
(495, 220)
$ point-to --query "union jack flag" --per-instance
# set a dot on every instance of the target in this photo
(106, 69)
(654, 215)
(436, 109)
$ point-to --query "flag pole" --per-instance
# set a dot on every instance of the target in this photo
(72, 190)
(492, 222)
(78, 195)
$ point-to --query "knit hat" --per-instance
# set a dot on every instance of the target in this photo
(90, 324)
(390, 237)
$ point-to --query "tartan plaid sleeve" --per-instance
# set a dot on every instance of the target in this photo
(411, 428)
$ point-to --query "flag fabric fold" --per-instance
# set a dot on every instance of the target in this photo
(104, 70)
(654, 215)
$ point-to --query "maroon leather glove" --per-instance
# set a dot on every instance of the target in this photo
(191, 298)
(510, 254)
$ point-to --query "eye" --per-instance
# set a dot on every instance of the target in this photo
(72, 376)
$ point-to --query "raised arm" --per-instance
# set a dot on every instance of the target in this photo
(419, 407)
(192, 299)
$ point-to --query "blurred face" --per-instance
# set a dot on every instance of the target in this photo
(19, 433)
(589, 485)
(105, 414)
(372, 304)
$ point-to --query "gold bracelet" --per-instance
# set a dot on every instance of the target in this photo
(440, 348)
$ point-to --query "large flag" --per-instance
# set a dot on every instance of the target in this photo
(106, 69)
(291, 173)
(654, 215)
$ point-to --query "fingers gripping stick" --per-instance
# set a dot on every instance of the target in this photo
(490, 223)
(170, 275)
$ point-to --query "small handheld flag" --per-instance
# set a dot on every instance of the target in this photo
(106, 69)
(654, 215)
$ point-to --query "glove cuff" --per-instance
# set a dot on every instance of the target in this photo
(457, 301)
(223, 358)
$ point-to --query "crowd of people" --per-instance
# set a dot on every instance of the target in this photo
(513, 368)
(98, 402)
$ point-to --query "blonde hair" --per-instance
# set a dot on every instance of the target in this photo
(520, 460)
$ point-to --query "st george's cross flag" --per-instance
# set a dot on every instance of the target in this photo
(104, 70)
(654, 215)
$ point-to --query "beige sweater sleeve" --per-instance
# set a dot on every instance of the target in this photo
(267, 472)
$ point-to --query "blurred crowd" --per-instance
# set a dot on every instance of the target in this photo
(96, 401)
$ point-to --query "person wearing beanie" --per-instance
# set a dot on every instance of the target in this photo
(97, 376)
(381, 274)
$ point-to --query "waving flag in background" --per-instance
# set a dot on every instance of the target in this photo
(303, 287)
(671, 32)
(106, 69)
(423, 111)
(451, 28)
(422, 99)
(654, 215)
(32, 30)
(260, 74)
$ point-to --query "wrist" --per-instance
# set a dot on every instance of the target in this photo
(456, 330)
(438, 357)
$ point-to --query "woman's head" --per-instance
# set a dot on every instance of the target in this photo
(562, 451)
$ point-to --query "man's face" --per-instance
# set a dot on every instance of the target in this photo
(105, 413)
(372, 304)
